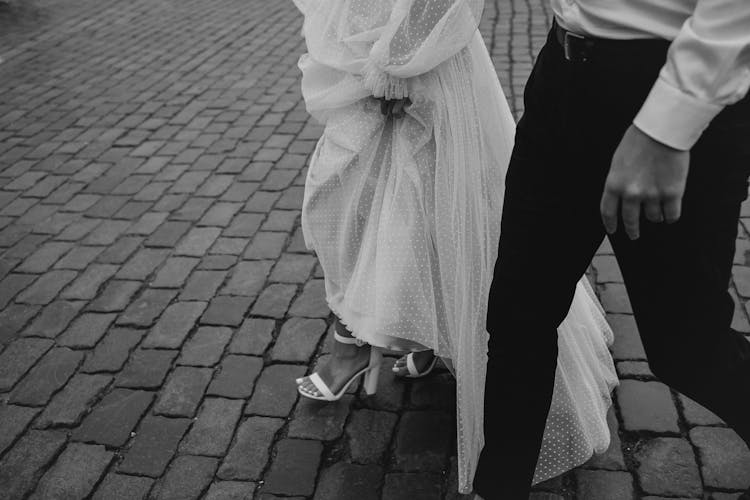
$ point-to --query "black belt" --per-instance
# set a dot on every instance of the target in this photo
(576, 47)
(580, 48)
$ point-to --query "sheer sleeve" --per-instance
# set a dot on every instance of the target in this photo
(419, 35)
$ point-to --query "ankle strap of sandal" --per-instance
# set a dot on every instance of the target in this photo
(348, 340)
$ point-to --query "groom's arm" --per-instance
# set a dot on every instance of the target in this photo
(708, 68)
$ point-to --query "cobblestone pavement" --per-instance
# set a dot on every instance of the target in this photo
(157, 301)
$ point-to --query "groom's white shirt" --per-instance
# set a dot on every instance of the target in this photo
(708, 66)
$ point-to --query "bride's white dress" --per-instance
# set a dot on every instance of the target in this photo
(404, 215)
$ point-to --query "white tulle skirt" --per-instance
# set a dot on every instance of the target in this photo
(404, 216)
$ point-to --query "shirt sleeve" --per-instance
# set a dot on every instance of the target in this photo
(707, 68)
(420, 34)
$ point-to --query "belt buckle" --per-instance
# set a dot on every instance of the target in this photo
(568, 48)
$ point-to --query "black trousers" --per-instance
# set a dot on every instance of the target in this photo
(677, 275)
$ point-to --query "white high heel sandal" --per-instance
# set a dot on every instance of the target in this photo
(371, 373)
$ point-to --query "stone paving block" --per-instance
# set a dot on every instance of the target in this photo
(146, 369)
(253, 337)
(647, 406)
(633, 369)
(174, 325)
(316, 420)
(627, 343)
(436, 392)
(343, 481)
(115, 296)
(79, 258)
(217, 262)
(183, 392)
(696, 414)
(122, 487)
(121, 251)
(240, 191)
(70, 404)
(114, 417)
(142, 264)
(174, 272)
(203, 285)
(106, 234)
(212, 432)
(53, 319)
(75, 473)
(79, 229)
(295, 467)
(45, 289)
(293, 268)
(43, 258)
(220, 214)
(248, 278)
(186, 478)
(11, 285)
(18, 358)
(250, 450)
(741, 278)
(49, 375)
(312, 302)
(12, 320)
(390, 391)
(280, 220)
(266, 245)
(369, 433)
(607, 269)
(112, 352)
(297, 243)
(226, 311)
(667, 467)
(13, 421)
(612, 459)
(399, 486)
(21, 467)
(231, 490)
(236, 376)
(87, 284)
(148, 223)
(198, 241)
(192, 210)
(275, 391)
(615, 299)
(168, 234)
(423, 440)
(154, 445)
(274, 300)
(206, 347)
(724, 457)
(86, 330)
(146, 308)
(298, 339)
(612, 485)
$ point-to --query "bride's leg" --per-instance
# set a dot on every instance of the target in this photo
(345, 361)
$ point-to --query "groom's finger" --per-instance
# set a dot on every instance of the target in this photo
(631, 216)
(672, 210)
(652, 209)
(608, 208)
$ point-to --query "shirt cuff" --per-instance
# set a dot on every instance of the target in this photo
(673, 117)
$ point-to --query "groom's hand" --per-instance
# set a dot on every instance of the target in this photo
(647, 176)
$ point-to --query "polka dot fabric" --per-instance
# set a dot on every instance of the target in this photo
(404, 215)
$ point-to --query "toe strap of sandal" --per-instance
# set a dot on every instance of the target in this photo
(348, 340)
(321, 386)
(410, 366)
